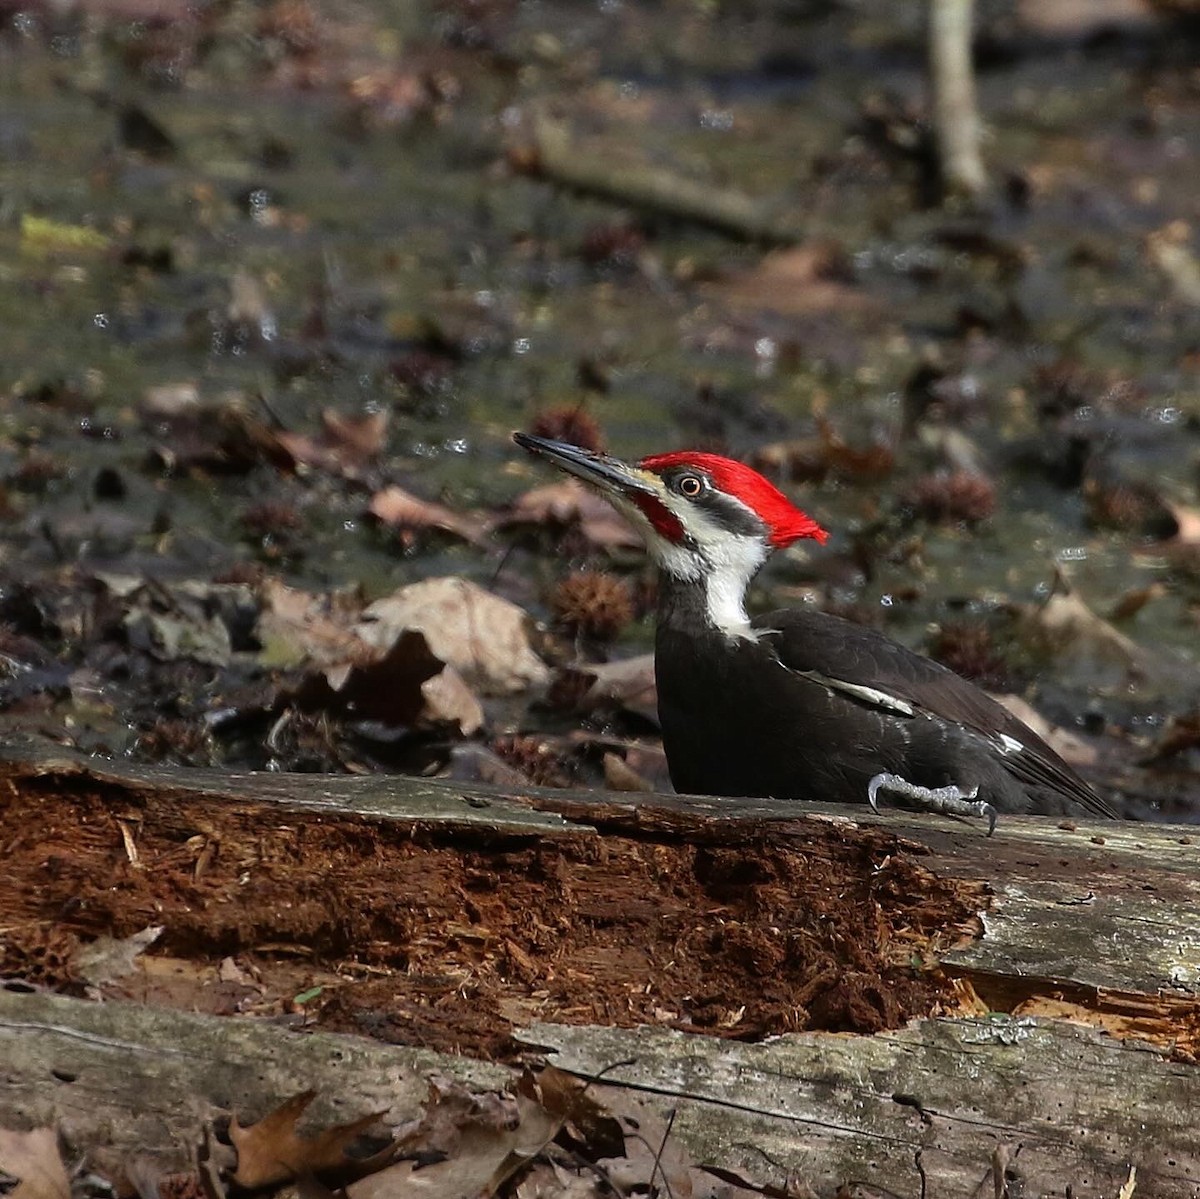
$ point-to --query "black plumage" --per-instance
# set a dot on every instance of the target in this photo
(798, 704)
(756, 717)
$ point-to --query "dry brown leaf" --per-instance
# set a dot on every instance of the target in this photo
(1066, 623)
(345, 446)
(628, 683)
(484, 1157)
(482, 636)
(795, 282)
(272, 1151)
(570, 503)
(549, 1180)
(296, 626)
(1179, 735)
(1188, 521)
(654, 1160)
(407, 686)
(1170, 250)
(402, 510)
(451, 1107)
(108, 958)
(1130, 603)
(620, 776)
(33, 1158)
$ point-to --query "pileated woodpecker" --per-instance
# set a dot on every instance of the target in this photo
(799, 704)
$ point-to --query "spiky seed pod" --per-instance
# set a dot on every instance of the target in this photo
(534, 758)
(613, 245)
(967, 648)
(593, 603)
(952, 497)
(271, 519)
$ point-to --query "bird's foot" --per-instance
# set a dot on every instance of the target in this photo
(948, 801)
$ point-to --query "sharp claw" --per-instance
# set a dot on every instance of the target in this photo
(949, 800)
(873, 791)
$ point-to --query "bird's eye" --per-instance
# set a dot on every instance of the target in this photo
(690, 485)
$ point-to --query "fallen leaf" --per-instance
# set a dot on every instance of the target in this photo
(619, 776)
(627, 683)
(482, 636)
(797, 281)
(1187, 521)
(346, 445)
(1064, 623)
(33, 1158)
(549, 1180)
(1170, 250)
(272, 1151)
(1180, 734)
(570, 503)
(485, 1156)
(654, 1160)
(1130, 603)
(407, 686)
(108, 958)
(296, 626)
(399, 509)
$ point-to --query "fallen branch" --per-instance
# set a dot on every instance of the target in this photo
(559, 158)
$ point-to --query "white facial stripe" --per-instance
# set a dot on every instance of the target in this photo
(730, 562)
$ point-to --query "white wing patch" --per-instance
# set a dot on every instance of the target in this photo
(869, 695)
(1008, 745)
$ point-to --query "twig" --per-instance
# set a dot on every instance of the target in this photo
(658, 1156)
(955, 113)
(654, 189)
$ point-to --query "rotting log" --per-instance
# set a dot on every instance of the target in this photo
(1089, 960)
(132, 1078)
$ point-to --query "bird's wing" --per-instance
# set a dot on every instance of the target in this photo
(875, 670)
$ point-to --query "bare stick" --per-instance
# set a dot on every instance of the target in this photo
(955, 115)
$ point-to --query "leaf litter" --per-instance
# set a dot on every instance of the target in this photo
(547, 1136)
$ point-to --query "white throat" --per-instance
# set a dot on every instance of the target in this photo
(733, 562)
(722, 563)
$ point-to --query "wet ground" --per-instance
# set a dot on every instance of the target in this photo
(262, 262)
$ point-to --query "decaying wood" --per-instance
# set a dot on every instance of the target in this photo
(1089, 955)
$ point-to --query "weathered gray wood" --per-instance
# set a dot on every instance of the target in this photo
(832, 1110)
(829, 1109)
(146, 1079)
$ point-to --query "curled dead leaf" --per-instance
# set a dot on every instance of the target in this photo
(407, 686)
(272, 1150)
(482, 636)
(628, 683)
(346, 445)
(570, 503)
(797, 281)
(399, 509)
